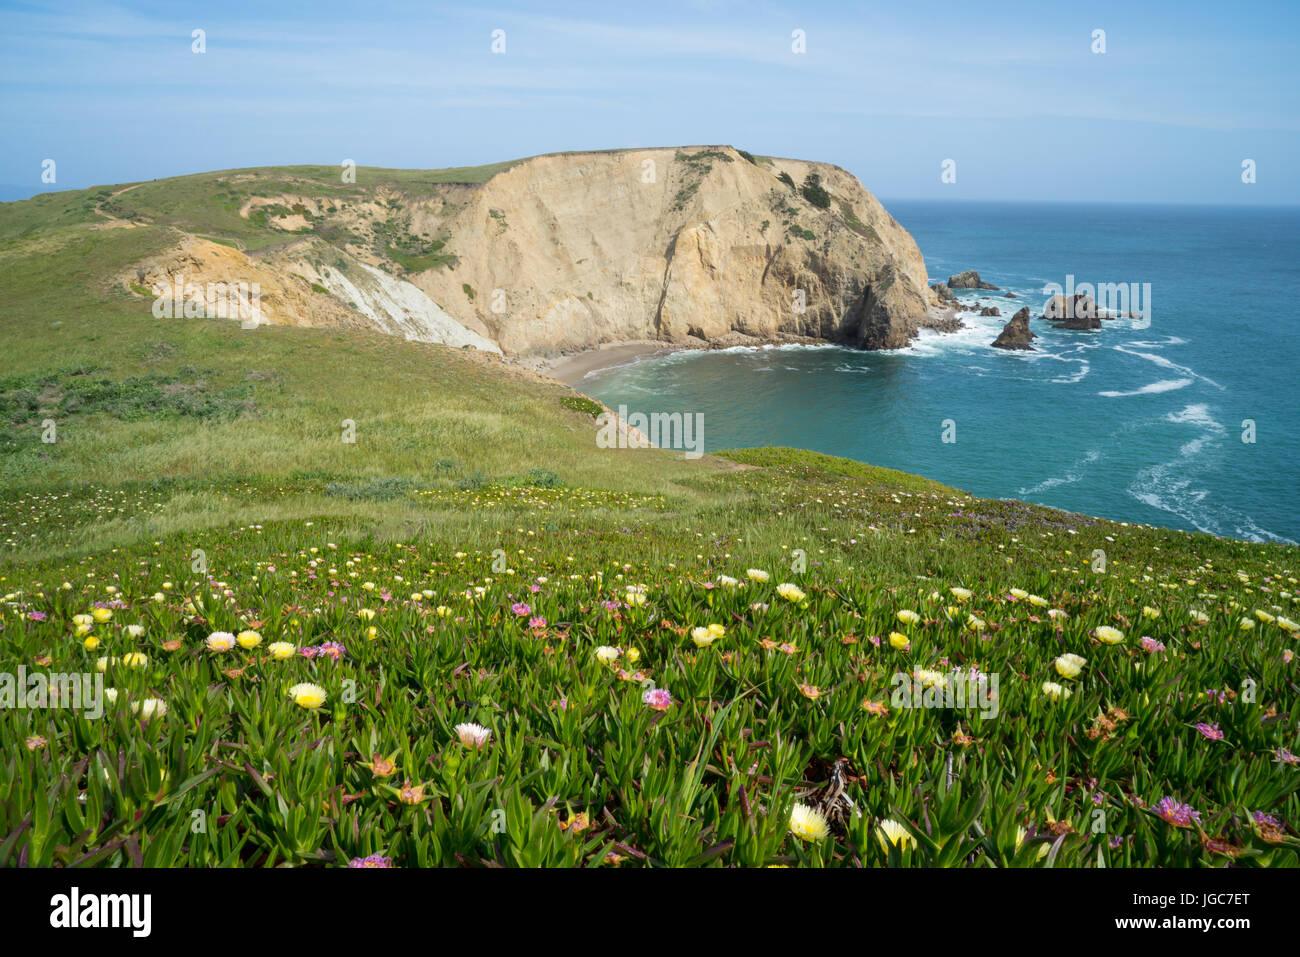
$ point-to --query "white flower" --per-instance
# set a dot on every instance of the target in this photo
(220, 641)
(891, 833)
(607, 655)
(472, 735)
(757, 575)
(150, 708)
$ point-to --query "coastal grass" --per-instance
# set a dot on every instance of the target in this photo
(474, 557)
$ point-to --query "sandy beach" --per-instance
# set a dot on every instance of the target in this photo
(572, 369)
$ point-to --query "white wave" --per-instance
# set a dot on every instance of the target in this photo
(1164, 363)
(1198, 414)
(1072, 475)
(1164, 385)
(1169, 486)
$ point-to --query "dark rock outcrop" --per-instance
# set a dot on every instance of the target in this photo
(1016, 333)
(1009, 295)
(1078, 312)
(990, 311)
(943, 292)
(969, 279)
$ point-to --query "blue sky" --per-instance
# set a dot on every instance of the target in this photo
(1011, 91)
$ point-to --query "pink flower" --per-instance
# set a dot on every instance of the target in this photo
(1150, 645)
(520, 609)
(657, 698)
(1177, 813)
(538, 623)
(1210, 731)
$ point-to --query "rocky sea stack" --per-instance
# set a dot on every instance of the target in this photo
(1016, 333)
(1079, 312)
(969, 279)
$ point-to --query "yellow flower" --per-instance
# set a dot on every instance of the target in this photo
(974, 623)
(1019, 593)
(632, 655)
(101, 664)
(808, 824)
(443, 611)
(1149, 612)
(84, 630)
(101, 615)
(91, 643)
(372, 632)
(1056, 692)
(1111, 636)
(702, 637)
(899, 641)
(790, 592)
(891, 833)
(248, 639)
(82, 620)
(135, 659)
(908, 617)
(757, 575)
(307, 695)
(366, 614)
(717, 631)
(1069, 666)
(961, 594)
(1038, 602)
(281, 650)
(1247, 624)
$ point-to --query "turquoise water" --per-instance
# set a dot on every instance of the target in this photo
(1130, 423)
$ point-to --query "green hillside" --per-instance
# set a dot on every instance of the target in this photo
(472, 550)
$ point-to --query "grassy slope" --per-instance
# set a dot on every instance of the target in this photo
(183, 434)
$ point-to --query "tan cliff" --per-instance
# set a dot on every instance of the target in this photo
(569, 251)
(566, 252)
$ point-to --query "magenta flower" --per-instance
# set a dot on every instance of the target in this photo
(537, 623)
(1285, 756)
(310, 651)
(1177, 813)
(374, 860)
(333, 649)
(1150, 645)
(657, 698)
(1210, 731)
(36, 615)
(520, 609)
(1261, 818)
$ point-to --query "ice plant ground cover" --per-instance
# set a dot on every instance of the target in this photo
(591, 673)
(436, 709)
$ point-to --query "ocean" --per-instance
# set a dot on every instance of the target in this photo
(1186, 418)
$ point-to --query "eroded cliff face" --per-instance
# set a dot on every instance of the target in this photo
(565, 252)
